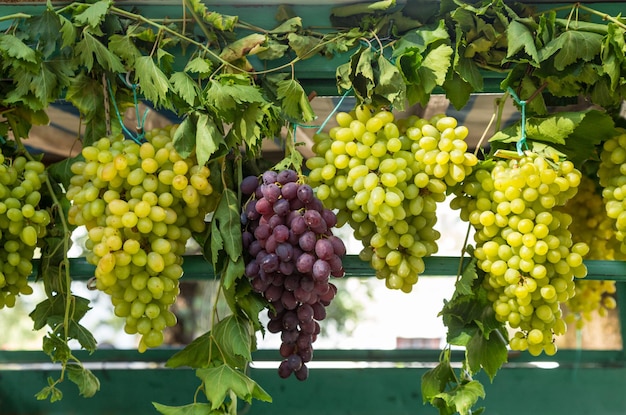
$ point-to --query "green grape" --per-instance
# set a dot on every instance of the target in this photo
(385, 177)
(523, 245)
(152, 199)
(22, 223)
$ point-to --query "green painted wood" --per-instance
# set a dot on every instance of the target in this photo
(339, 391)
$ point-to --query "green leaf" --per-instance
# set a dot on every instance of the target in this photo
(464, 285)
(184, 86)
(435, 67)
(294, 101)
(227, 218)
(241, 297)
(68, 32)
(88, 47)
(487, 352)
(293, 24)
(13, 47)
(88, 384)
(571, 46)
(272, 50)
(520, 37)
(83, 335)
(304, 46)
(196, 408)
(221, 380)
(197, 354)
(390, 85)
(457, 90)
(419, 40)
(208, 138)
(50, 391)
(85, 93)
(234, 337)
(464, 396)
(56, 348)
(434, 381)
(124, 47)
(200, 66)
(234, 270)
(153, 83)
(184, 138)
(227, 91)
(94, 14)
(55, 306)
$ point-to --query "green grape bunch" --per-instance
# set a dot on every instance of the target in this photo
(385, 177)
(22, 223)
(140, 204)
(592, 225)
(524, 245)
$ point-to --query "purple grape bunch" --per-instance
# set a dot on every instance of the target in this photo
(291, 254)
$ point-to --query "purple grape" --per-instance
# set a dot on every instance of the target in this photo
(252, 269)
(269, 263)
(324, 249)
(306, 353)
(305, 312)
(302, 295)
(313, 218)
(321, 287)
(259, 284)
(327, 297)
(304, 341)
(319, 311)
(294, 362)
(286, 268)
(317, 329)
(243, 218)
(284, 252)
(293, 238)
(292, 282)
(269, 176)
(329, 217)
(307, 284)
(302, 373)
(307, 241)
(263, 206)
(308, 327)
(283, 370)
(298, 225)
(315, 205)
(255, 248)
(281, 207)
(296, 204)
(249, 184)
(305, 262)
(262, 232)
(289, 336)
(321, 270)
(273, 292)
(278, 279)
(290, 191)
(286, 176)
(339, 248)
(251, 212)
(305, 193)
(246, 239)
(271, 244)
(281, 233)
(275, 221)
(290, 320)
(275, 326)
(287, 349)
(336, 266)
(258, 193)
(279, 308)
(289, 300)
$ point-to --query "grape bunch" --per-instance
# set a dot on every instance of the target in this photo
(591, 225)
(22, 223)
(385, 178)
(523, 245)
(140, 204)
(291, 255)
(612, 175)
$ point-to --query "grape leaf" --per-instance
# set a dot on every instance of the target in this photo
(153, 83)
(520, 37)
(419, 40)
(197, 354)
(571, 46)
(124, 47)
(68, 32)
(290, 25)
(184, 86)
(435, 67)
(219, 381)
(233, 335)
(241, 297)
(304, 46)
(200, 66)
(55, 306)
(94, 14)
(226, 92)
(487, 351)
(457, 90)
(12, 46)
(233, 271)
(390, 84)
(227, 220)
(434, 381)
(294, 101)
(184, 138)
(88, 47)
(464, 284)
(50, 391)
(196, 408)
(272, 50)
(464, 396)
(88, 384)
(46, 28)
(208, 138)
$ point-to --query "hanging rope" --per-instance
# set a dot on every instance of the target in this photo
(139, 134)
(521, 144)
